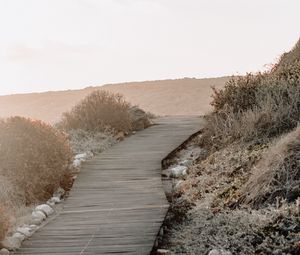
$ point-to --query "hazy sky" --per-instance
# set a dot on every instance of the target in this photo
(64, 44)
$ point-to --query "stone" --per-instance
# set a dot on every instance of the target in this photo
(77, 163)
(37, 217)
(4, 251)
(14, 242)
(178, 171)
(163, 252)
(55, 200)
(50, 203)
(19, 236)
(82, 156)
(33, 227)
(46, 209)
(139, 118)
(26, 231)
(186, 162)
(219, 252)
(60, 192)
(214, 252)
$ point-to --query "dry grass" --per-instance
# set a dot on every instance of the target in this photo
(4, 222)
(277, 175)
(82, 141)
(34, 157)
(98, 112)
(289, 57)
(247, 189)
(256, 107)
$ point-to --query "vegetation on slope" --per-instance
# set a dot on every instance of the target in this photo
(35, 161)
(246, 189)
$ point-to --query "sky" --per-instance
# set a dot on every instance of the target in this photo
(71, 44)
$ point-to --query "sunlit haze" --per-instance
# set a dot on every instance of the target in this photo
(68, 44)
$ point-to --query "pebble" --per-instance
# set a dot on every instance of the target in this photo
(178, 171)
(46, 209)
(4, 251)
(219, 252)
(163, 252)
(13, 242)
(26, 231)
(59, 193)
(37, 217)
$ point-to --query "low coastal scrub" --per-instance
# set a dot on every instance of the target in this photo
(258, 106)
(100, 111)
(105, 112)
(245, 190)
(35, 160)
(4, 222)
(34, 156)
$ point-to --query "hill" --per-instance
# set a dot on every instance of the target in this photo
(167, 97)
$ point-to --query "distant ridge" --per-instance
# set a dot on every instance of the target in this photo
(188, 96)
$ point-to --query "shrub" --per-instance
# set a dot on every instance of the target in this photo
(289, 58)
(238, 93)
(256, 107)
(98, 112)
(34, 156)
(4, 223)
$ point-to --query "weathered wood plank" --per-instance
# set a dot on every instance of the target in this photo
(117, 204)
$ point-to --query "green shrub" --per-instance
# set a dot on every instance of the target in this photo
(98, 112)
(34, 156)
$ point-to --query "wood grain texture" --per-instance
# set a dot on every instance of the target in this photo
(117, 204)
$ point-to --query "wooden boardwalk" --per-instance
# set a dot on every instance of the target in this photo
(117, 204)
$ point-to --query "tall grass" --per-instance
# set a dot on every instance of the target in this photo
(277, 175)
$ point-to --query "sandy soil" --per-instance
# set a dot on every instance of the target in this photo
(168, 97)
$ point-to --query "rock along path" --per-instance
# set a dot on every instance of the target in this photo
(117, 204)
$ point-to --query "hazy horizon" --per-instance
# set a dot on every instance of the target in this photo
(72, 44)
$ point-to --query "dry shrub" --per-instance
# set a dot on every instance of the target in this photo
(4, 223)
(98, 112)
(238, 93)
(277, 175)
(256, 107)
(11, 196)
(289, 57)
(34, 157)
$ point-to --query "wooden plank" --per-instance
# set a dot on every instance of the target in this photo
(117, 204)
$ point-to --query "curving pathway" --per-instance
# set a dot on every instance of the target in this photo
(117, 204)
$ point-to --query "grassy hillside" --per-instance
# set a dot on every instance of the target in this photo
(168, 97)
(242, 196)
